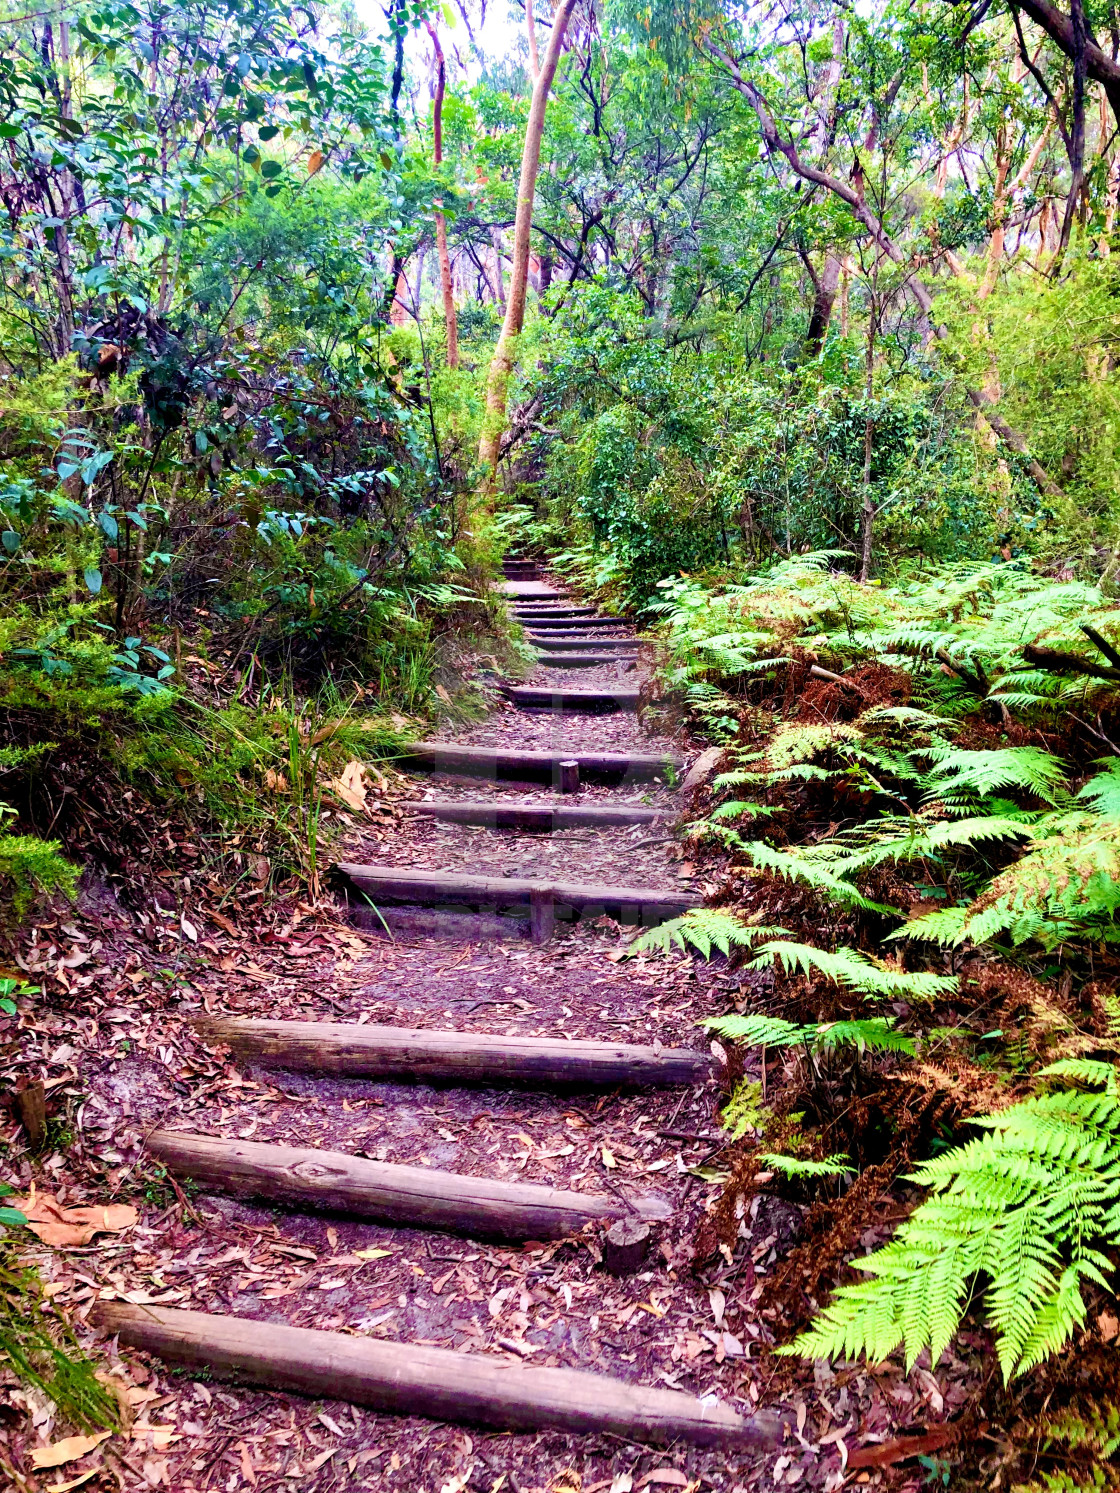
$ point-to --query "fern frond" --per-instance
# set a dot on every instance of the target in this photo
(702, 928)
(1030, 1206)
(855, 970)
(958, 775)
(794, 1166)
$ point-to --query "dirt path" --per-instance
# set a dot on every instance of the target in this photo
(546, 1304)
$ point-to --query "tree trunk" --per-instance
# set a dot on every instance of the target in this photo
(531, 32)
(450, 318)
(501, 366)
(824, 299)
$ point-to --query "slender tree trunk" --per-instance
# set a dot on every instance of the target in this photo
(501, 366)
(531, 33)
(1077, 132)
(449, 314)
(867, 514)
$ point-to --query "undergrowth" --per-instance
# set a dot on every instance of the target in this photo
(915, 826)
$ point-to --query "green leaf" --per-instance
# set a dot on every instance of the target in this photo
(10, 540)
(12, 1217)
(93, 580)
(271, 169)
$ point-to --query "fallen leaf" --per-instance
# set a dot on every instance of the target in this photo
(1108, 1325)
(69, 1449)
(317, 1462)
(350, 785)
(890, 1452)
(668, 1477)
(371, 1254)
(75, 1482)
(608, 1158)
(718, 1303)
(189, 929)
(72, 1227)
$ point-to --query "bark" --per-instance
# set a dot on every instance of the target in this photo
(824, 299)
(544, 819)
(439, 1383)
(531, 766)
(419, 1196)
(446, 888)
(531, 33)
(450, 317)
(501, 366)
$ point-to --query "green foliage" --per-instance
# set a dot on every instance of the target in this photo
(874, 1034)
(702, 928)
(1029, 1208)
(39, 1348)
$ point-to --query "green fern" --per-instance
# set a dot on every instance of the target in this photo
(798, 1167)
(855, 970)
(1029, 1207)
(876, 1034)
(702, 928)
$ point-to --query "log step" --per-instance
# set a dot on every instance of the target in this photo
(529, 766)
(434, 1382)
(535, 589)
(542, 609)
(346, 1050)
(508, 814)
(589, 701)
(585, 660)
(412, 1196)
(550, 623)
(570, 644)
(647, 905)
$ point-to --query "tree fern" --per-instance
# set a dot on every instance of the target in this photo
(1029, 1208)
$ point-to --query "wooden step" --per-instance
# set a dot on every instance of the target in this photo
(589, 701)
(583, 660)
(532, 766)
(549, 624)
(412, 1196)
(566, 644)
(646, 905)
(438, 1383)
(346, 1050)
(509, 814)
(540, 609)
(534, 589)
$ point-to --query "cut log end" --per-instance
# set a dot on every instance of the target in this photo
(624, 1245)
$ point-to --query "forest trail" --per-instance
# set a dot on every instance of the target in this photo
(439, 1231)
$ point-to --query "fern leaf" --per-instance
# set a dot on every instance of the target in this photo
(849, 967)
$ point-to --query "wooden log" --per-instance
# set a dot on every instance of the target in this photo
(542, 915)
(534, 589)
(562, 622)
(589, 701)
(569, 775)
(648, 905)
(437, 1383)
(585, 660)
(31, 1103)
(527, 766)
(625, 1244)
(340, 1049)
(414, 1196)
(512, 814)
(577, 645)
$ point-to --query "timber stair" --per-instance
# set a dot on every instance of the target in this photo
(420, 1378)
